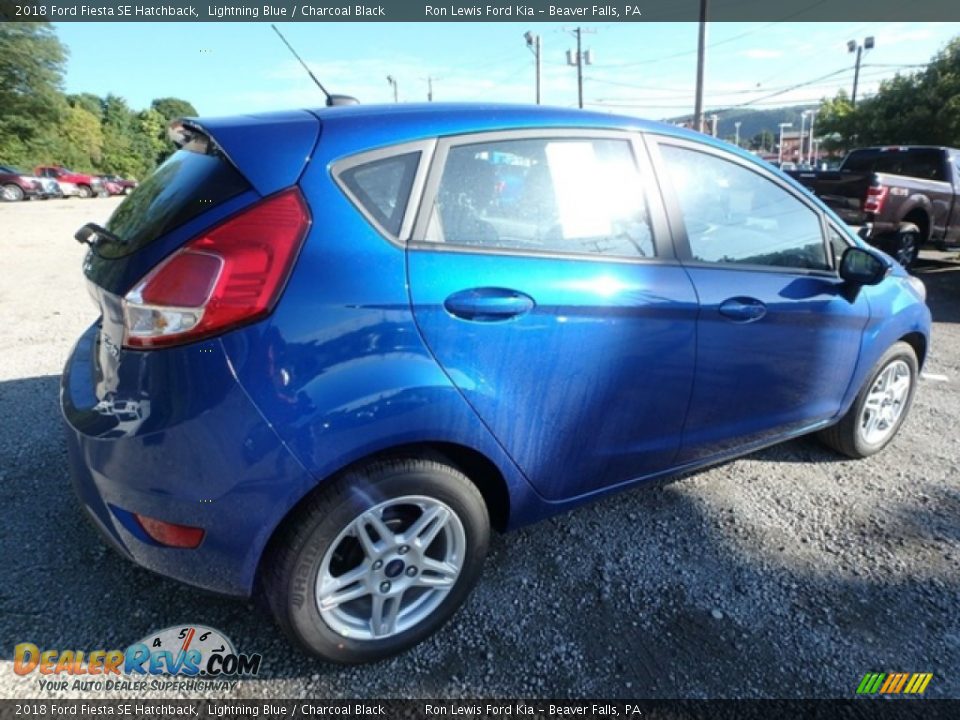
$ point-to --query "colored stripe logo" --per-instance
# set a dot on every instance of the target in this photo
(894, 683)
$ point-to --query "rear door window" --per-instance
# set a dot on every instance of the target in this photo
(184, 186)
(559, 195)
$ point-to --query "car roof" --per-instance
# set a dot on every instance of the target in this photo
(398, 123)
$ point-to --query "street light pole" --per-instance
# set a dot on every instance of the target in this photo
(854, 46)
(810, 153)
(393, 81)
(533, 42)
(803, 128)
(736, 126)
(713, 124)
(780, 146)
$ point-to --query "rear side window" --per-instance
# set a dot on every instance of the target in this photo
(919, 163)
(382, 188)
(734, 215)
(567, 195)
(187, 184)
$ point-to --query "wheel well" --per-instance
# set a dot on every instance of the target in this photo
(919, 344)
(481, 471)
(919, 217)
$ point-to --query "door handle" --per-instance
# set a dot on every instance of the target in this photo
(488, 304)
(743, 309)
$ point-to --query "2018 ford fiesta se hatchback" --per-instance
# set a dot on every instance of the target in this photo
(336, 347)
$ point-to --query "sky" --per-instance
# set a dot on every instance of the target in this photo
(639, 69)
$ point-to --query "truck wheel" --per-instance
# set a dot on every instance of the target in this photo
(85, 191)
(907, 243)
(11, 193)
(880, 408)
(377, 560)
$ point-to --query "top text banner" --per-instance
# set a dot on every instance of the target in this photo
(466, 11)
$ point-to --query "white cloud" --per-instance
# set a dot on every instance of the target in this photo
(762, 54)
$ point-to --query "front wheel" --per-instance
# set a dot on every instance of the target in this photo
(85, 191)
(378, 560)
(11, 193)
(880, 408)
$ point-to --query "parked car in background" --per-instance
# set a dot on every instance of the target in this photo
(15, 185)
(73, 183)
(110, 186)
(351, 357)
(126, 185)
(907, 196)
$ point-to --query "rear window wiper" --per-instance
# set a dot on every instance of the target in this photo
(93, 235)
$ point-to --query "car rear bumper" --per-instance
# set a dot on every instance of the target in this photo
(206, 460)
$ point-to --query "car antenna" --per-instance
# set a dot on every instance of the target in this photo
(331, 99)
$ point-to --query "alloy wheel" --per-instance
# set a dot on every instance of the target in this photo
(390, 568)
(885, 403)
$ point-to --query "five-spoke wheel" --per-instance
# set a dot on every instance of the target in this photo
(377, 559)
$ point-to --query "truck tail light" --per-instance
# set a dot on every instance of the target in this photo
(228, 276)
(876, 196)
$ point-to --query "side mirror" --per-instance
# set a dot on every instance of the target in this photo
(862, 267)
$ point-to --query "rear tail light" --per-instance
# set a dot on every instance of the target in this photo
(170, 534)
(876, 196)
(228, 276)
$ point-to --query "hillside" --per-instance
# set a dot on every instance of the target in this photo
(752, 121)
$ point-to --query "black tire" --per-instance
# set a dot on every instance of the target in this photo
(845, 437)
(11, 193)
(293, 561)
(85, 191)
(903, 245)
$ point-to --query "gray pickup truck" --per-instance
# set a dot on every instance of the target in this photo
(904, 196)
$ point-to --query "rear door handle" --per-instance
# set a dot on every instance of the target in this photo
(743, 309)
(488, 304)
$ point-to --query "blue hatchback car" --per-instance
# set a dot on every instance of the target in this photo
(338, 346)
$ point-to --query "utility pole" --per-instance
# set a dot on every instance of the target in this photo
(854, 46)
(701, 59)
(393, 81)
(580, 60)
(429, 89)
(533, 42)
(736, 127)
(780, 146)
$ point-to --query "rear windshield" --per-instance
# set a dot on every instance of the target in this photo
(187, 184)
(920, 163)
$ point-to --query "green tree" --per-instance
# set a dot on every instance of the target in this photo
(31, 73)
(921, 108)
(172, 108)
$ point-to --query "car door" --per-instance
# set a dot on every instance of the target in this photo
(778, 334)
(543, 280)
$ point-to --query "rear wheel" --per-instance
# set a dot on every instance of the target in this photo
(11, 193)
(378, 560)
(907, 247)
(880, 408)
(85, 191)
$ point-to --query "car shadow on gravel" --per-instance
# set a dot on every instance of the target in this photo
(942, 279)
(670, 590)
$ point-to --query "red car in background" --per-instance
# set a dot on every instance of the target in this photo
(117, 185)
(73, 183)
(14, 186)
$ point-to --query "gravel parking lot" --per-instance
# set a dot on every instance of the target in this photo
(790, 573)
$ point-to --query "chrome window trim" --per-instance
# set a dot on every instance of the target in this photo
(426, 150)
(662, 242)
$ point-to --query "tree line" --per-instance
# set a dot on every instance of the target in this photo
(41, 125)
(918, 108)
